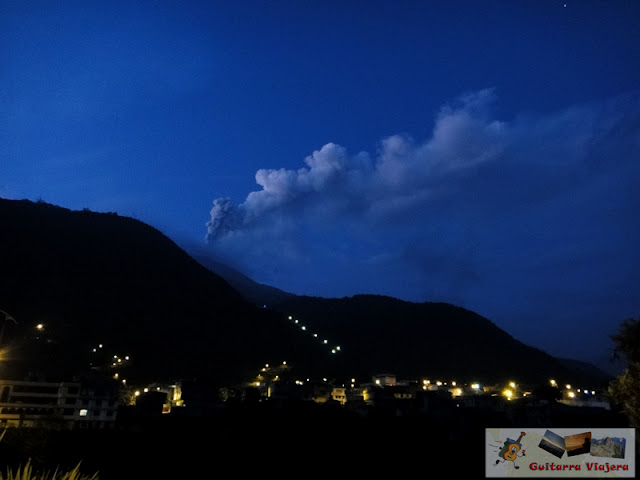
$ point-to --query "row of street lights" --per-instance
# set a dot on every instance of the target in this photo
(334, 349)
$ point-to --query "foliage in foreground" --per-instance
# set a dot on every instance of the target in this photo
(26, 472)
(625, 389)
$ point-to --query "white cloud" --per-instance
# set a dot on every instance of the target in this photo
(506, 193)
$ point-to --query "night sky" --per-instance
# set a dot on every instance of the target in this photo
(485, 153)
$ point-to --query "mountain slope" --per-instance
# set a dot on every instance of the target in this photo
(426, 340)
(253, 292)
(416, 340)
(94, 278)
(97, 279)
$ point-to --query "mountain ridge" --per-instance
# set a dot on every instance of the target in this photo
(261, 294)
(93, 277)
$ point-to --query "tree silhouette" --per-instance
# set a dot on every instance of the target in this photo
(625, 389)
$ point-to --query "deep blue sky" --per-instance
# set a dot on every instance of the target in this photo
(481, 153)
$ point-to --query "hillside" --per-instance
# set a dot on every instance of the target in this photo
(95, 279)
(415, 340)
(429, 340)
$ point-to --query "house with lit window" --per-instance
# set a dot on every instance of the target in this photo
(75, 404)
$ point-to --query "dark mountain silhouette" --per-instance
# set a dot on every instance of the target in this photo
(253, 292)
(98, 278)
(429, 340)
(414, 339)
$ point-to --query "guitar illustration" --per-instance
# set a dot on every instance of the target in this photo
(510, 450)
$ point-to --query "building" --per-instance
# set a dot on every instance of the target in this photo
(73, 404)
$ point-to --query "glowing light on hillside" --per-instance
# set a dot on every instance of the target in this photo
(553, 383)
(475, 386)
(315, 335)
(507, 393)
